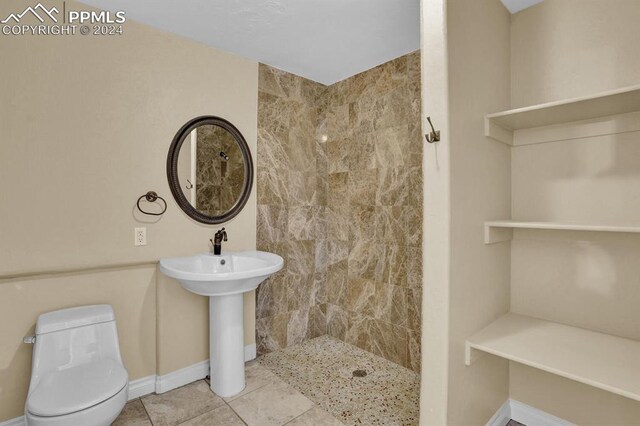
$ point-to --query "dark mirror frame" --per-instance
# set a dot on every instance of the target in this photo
(172, 169)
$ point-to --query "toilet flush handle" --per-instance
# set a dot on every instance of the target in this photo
(29, 340)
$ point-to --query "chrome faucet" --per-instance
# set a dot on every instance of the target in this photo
(220, 236)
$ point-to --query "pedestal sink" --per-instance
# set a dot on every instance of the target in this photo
(224, 278)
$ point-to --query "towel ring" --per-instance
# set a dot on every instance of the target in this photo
(151, 197)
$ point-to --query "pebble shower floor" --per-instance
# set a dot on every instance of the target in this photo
(323, 370)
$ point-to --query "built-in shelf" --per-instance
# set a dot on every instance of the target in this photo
(502, 125)
(597, 359)
(502, 230)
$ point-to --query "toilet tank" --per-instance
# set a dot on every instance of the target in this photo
(72, 337)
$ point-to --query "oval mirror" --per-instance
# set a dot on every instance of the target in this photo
(210, 169)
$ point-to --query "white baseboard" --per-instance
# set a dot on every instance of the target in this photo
(502, 416)
(525, 414)
(142, 387)
(181, 377)
(18, 421)
(250, 352)
(530, 416)
(161, 384)
(194, 372)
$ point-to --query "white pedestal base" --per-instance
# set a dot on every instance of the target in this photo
(226, 344)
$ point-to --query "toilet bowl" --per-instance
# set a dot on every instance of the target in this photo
(77, 375)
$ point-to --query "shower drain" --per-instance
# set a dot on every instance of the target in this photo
(359, 373)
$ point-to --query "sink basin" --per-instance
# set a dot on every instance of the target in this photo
(210, 275)
(224, 279)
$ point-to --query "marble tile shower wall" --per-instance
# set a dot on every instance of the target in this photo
(374, 210)
(340, 195)
(292, 198)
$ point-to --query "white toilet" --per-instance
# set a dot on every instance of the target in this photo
(77, 375)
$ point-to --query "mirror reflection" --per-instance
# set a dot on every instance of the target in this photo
(211, 169)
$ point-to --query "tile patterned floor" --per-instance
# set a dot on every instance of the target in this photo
(266, 400)
(303, 385)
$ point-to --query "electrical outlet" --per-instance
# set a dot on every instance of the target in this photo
(140, 237)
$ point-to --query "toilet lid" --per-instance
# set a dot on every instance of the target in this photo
(77, 388)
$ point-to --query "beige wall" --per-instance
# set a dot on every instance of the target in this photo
(478, 44)
(567, 48)
(86, 123)
(436, 216)
(467, 177)
(558, 49)
(573, 401)
(561, 49)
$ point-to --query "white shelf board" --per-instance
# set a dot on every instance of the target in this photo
(502, 230)
(601, 360)
(501, 125)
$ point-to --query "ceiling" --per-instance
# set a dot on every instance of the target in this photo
(322, 40)
(516, 6)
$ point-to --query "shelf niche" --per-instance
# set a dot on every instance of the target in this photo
(502, 230)
(597, 359)
(615, 111)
